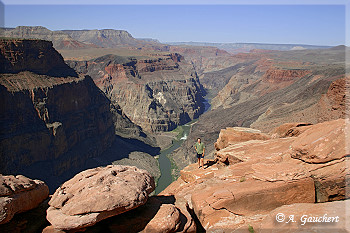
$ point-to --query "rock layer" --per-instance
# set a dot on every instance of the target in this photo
(307, 217)
(158, 93)
(315, 92)
(59, 39)
(19, 194)
(97, 194)
(258, 178)
(37, 56)
(50, 125)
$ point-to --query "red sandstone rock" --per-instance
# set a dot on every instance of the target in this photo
(274, 75)
(254, 151)
(302, 212)
(235, 135)
(252, 197)
(261, 176)
(321, 143)
(19, 194)
(97, 194)
(166, 220)
(51, 229)
(289, 130)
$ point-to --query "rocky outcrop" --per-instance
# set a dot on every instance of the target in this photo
(67, 121)
(30, 221)
(142, 161)
(97, 194)
(258, 178)
(167, 220)
(320, 217)
(19, 194)
(308, 150)
(50, 126)
(281, 75)
(157, 94)
(238, 134)
(289, 130)
(37, 56)
(59, 39)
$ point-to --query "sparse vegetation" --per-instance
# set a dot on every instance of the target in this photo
(250, 229)
(179, 132)
(242, 179)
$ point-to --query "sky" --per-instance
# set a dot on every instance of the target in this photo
(276, 24)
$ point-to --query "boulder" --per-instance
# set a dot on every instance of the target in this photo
(254, 151)
(251, 197)
(308, 217)
(331, 180)
(234, 135)
(166, 220)
(51, 229)
(97, 194)
(321, 143)
(158, 214)
(19, 194)
(289, 130)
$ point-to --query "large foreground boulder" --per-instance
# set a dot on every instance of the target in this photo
(97, 194)
(321, 143)
(19, 194)
(158, 214)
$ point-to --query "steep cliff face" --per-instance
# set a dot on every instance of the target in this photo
(53, 127)
(59, 39)
(157, 94)
(37, 56)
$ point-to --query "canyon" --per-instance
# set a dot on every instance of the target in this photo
(157, 94)
(264, 89)
(55, 126)
(277, 124)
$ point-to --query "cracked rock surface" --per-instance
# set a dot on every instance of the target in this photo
(97, 194)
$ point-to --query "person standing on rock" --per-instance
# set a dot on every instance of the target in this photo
(200, 149)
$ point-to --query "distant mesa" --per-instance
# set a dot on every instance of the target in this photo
(149, 40)
(339, 47)
(107, 38)
(246, 47)
(111, 38)
(59, 39)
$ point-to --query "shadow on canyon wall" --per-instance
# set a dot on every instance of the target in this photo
(121, 148)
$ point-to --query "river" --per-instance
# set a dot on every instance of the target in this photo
(164, 163)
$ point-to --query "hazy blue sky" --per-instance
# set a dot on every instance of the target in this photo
(303, 24)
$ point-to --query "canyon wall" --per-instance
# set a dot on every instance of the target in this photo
(52, 127)
(264, 90)
(59, 39)
(157, 94)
